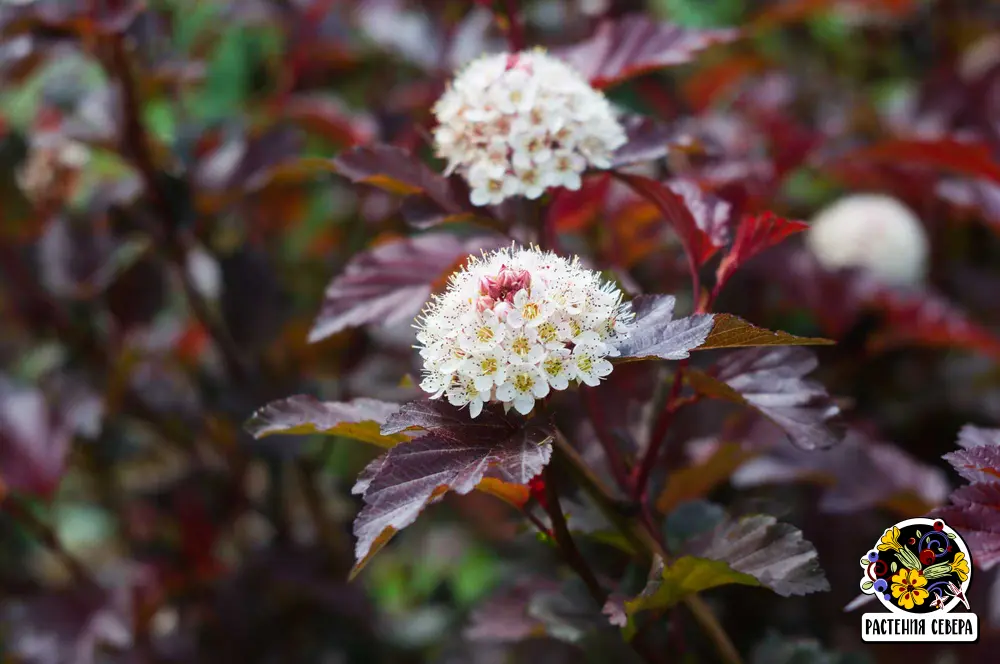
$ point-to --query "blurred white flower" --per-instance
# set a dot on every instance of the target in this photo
(514, 325)
(874, 233)
(518, 124)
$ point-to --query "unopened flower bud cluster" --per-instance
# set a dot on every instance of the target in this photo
(514, 325)
(517, 124)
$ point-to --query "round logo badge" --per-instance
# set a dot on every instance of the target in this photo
(918, 566)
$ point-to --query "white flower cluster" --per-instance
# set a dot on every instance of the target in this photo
(874, 233)
(517, 124)
(515, 324)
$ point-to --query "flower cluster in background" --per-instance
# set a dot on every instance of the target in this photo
(518, 323)
(517, 124)
(874, 233)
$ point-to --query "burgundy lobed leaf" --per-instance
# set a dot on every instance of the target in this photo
(856, 475)
(698, 244)
(575, 210)
(303, 414)
(657, 334)
(972, 436)
(772, 381)
(390, 168)
(927, 319)
(711, 213)
(774, 553)
(450, 457)
(390, 283)
(949, 154)
(975, 513)
(976, 464)
(506, 616)
(975, 508)
(981, 197)
(633, 45)
(649, 140)
(329, 117)
(755, 234)
(35, 438)
(78, 625)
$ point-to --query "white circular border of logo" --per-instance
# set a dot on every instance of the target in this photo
(961, 547)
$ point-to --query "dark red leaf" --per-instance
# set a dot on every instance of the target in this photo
(975, 508)
(450, 457)
(633, 45)
(330, 118)
(359, 419)
(754, 235)
(856, 475)
(971, 436)
(711, 213)
(976, 516)
(657, 334)
(774, 553)
(399, 172)
(34, 440)
(963, 157)
(927, 319)
(575, 210)
(75, 626)
(391, 282)
(976, 464)
(506, 616)
(698, 244)
(980, 197)
(649, 140)
(772, 381)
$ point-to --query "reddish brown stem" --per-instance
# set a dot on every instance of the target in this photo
(167, 237)
(562, 536)
(515, 29)
(608, 444)
(640, 477)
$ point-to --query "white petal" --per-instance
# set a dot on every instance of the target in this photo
(475, 407)
(506, 392)
(524, 404)
(558, 382)
(540, 389)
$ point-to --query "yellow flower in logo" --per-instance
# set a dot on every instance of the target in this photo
(908, 588)
(960, 566)
(890, 540)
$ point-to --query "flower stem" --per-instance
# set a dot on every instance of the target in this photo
(642, 540)
(562, 536)
(640, 477)
(515, 29)
(604, 437)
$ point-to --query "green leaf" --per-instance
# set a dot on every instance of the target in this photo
(866, 562)
(893, 567)
(668, 585)
(867, 585)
